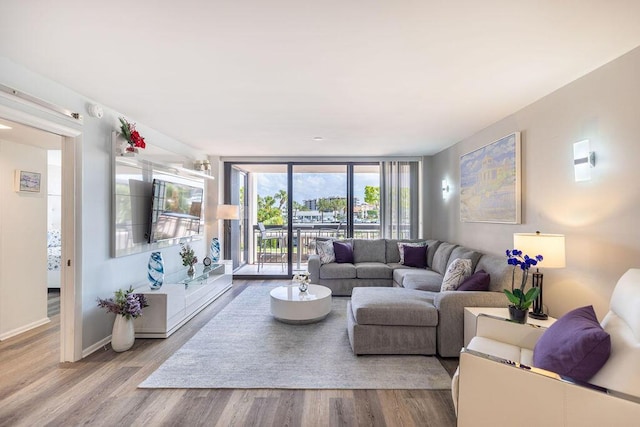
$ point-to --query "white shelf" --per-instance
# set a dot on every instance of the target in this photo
(140, 162)
(174, 304)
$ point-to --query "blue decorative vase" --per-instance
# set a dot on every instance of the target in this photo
(155, 270)
(214, 250)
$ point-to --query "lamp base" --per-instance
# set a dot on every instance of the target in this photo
(539, 316)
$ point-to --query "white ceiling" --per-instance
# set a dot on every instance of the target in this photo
(372, 78)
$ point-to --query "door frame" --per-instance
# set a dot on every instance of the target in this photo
(71, 267)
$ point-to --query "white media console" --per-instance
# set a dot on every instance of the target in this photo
(176, 303)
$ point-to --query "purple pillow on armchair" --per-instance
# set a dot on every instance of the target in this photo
(343, 251)
(415, 256)
(575, 346)
(478, 281)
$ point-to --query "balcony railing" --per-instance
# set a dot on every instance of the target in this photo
(271, 246)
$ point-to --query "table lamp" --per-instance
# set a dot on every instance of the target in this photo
(551, 247)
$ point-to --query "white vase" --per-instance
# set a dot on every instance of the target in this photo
(123, 335)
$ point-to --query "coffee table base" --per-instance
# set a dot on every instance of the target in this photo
(289, 305)
(300, 322)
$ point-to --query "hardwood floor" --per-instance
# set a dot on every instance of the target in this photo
(101, 390)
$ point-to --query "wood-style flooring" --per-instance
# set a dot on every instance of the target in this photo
(101, 390)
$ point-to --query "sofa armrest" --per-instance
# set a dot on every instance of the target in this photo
(313, 267)
(487, 385)
(450, 305)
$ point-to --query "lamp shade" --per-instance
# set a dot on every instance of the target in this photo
(550, 246)
(227, 212)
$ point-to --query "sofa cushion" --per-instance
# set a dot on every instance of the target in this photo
(575, 345)
(460, 252)
(325, 251)
(415, 256)
(478, 281)
(392, 251)
(333, 270)
(499, 271)
(369, 250)
(392, 306)
(403, 245)
(373, 270)
(343, 252)
(432, 247)
(456, 273)
(419, 279)
(441, 257)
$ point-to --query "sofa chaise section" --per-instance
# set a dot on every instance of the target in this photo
(391, 321)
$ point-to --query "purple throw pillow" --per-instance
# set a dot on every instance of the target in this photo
(343, 251)
(415, 256)
(575, 346)
(478, 281)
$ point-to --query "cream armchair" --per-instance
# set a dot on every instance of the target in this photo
(496, 384)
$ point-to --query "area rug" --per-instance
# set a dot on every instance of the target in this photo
(245, 347)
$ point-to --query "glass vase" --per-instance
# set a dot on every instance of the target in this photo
(214, 250)
(155, 270)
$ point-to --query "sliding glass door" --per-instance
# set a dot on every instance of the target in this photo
(319, 205)
(287, 206)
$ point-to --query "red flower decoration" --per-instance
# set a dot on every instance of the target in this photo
(132, 136)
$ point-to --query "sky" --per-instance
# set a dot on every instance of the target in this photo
(307, 186)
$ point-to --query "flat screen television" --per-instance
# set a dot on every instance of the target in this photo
(176, 211)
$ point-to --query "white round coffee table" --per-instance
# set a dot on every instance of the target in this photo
(289, 305)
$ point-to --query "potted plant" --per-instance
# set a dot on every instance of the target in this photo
(521, 301)
(127, 306)
(189, 258)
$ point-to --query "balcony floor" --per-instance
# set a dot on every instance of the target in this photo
(267, 269)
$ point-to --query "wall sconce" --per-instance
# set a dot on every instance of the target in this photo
(583, 160)
(445, 188)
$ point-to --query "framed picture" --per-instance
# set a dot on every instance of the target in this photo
(490, 182)
(27, 182)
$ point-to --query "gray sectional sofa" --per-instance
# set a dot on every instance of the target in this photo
(415, 317)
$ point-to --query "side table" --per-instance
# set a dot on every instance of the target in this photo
(471, 317)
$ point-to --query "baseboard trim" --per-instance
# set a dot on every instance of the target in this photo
(95, 347)
(24, 328)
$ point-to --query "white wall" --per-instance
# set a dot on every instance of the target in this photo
(23, 241)
(599, 217)
(54, 190)
(101, 275)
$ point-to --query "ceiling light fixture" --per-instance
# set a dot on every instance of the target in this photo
(4, 127)
(317, 138)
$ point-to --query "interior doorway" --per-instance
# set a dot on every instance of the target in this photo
(31, 131)
(30, 219)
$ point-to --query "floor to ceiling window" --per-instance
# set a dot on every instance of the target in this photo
(287, 206)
